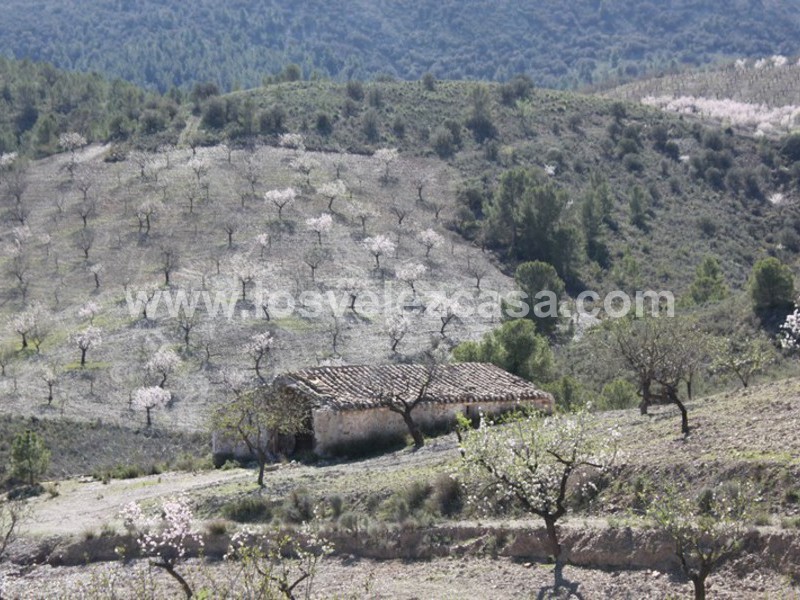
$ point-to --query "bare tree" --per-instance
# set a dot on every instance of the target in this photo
(170, 261)
(84, 240)
(314, 259)
(147, 211)
(86, 208)
(245, 271)
(96, 270)
(477, 270)
(259, 348)
(397, 327)
(407, 392)
(420, 181)
(50, 376)
(401, 212)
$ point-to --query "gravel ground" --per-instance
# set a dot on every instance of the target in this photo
(437, 579)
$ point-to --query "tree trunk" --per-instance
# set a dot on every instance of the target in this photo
(645, 403)
(673, 396)
(414, 430)
(147, 411)
(83, 356)
(552, 537)
(262, 463)
(699, 587)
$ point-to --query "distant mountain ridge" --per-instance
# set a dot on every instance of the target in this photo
(164, 43)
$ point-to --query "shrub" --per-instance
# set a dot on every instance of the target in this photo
(618, 394)
(447, 496)
(771, 285)
(442, 142)
(248, 509)
(355, 90)
(298, 507)
(324, 124)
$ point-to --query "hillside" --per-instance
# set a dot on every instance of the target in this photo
(208, 227)
(760, 96)
(236, 44)
(126, 215)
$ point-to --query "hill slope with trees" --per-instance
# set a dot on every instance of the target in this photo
(161, 44)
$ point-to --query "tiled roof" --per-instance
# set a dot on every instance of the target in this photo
(358, 387)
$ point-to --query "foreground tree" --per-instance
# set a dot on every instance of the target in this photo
(707, 530)
(29, 456)
(259, 418)
(166, 541)
(537, 462)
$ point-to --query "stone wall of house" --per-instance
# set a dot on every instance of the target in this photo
(335, 430)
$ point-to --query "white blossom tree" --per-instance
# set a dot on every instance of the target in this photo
(537, 462)
(305, 164)
(167, 540)
(411, 273)
(149, 399)
(378, 246)
(707, 530)
(71, 141)
(89, 311)
(294, 141)
(362, 211)
(281, 199)
(790, 331)
(263, 242)
(91, 337)
(430, 239)
(162, 364)
(332, 191)
(319, 225)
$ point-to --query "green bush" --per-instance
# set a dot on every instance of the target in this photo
(618, 394)
(248, 509)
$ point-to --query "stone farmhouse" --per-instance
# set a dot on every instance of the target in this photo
(346, 406)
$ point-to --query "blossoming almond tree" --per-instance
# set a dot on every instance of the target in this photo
(167, 543)
(378, 246)
(430, 239)
(86, 339)
(319, 225)
(161, 364)
(538, 462)
(706, 530)
(281, 199)
(149, 398)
